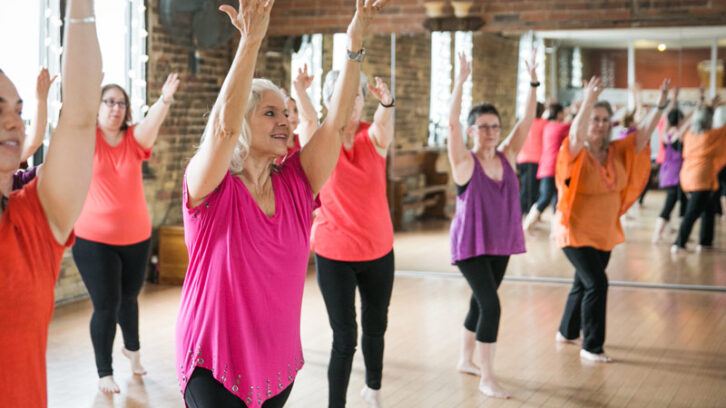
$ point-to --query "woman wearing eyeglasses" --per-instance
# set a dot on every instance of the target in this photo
(487, 226)
(113, 233)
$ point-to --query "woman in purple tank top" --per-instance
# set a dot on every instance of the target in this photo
(487, 226)
(668, 174)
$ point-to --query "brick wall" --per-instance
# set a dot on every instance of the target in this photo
(327, 16)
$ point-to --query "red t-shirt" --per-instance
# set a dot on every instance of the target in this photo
(353, 223)
(532, 148)
(29, 268)
(115, 211)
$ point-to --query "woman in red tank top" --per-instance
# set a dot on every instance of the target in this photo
(352, 238)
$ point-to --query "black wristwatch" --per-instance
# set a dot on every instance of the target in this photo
(390, 105)
(357, 56)
(534, 84)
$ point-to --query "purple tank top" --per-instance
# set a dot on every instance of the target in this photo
(488, 218)
(671, 166)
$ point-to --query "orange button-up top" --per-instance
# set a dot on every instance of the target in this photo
(704, 155)
(594, 195)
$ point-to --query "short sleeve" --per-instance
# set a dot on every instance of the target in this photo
(142, 153)
(293, 175)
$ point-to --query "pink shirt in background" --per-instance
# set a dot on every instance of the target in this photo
(240, 304)
(115, 210)
(552, 137)
(532, 148)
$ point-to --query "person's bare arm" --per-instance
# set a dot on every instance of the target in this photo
(514, 142)
(381, 130)
(308, 115)
(462, 164)
(37, 128)
(578, 130)
(148, 129)
(646, 128)
(210, 163)
(64, 182)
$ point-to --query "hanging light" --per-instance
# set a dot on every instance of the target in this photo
(661, 47)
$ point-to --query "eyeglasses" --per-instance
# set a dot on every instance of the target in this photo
(487, 128)
(111, 103)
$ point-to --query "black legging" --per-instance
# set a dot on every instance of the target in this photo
(484, 274)
(587, 302)
(700, 204)
(337, 281)
(529, 190)
(547, 193)
(203, 391)
(673, 195)
(113, 275)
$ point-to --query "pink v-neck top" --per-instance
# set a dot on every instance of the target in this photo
(240, 304)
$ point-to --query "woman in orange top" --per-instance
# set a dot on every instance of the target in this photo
(598, 181)
(36, 222)
(114, 229)
(352, 237)
(704, 155)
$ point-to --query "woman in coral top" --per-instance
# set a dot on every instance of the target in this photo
(247, 225)
(704, 155)
(528, 160)
(36, 221)
(352, 238)
(487, 227)
(114, 230)
(598, 180)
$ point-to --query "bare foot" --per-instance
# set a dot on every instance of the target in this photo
(562, 339)
(491, 388)
(467, 367)
(595, 357)
(108, 385)
(135, 359)
(372, 397)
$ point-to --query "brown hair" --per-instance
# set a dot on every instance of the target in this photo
(127, 117)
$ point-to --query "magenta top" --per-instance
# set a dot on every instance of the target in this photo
(240, 304)
(488, 218)
(552, 136)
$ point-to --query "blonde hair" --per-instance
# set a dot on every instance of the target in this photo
(242, 147)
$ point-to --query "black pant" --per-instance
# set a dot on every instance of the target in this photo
(674, 194)
(528, 192)
(203, 391)
(337, 281)
(113, 275)
(587, 302)
(700, 204)
(547, 193)
(484, 274)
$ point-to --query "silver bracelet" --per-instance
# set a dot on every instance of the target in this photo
(84, 20)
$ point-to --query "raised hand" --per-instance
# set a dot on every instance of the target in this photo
(169, 88)
(43, 83)
(364, 13)
(464, 68)
(251, 18)
(532, 66)
(664, 87)
(381, 91)
(593, 89)
(303, 80)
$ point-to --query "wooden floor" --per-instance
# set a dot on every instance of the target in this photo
(669, 345)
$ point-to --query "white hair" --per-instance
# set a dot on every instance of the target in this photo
(329, 86)
(702, 120)
(242, 147)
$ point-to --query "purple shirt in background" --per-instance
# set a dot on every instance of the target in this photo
(23, 177)
(488, 219)
(670, 169)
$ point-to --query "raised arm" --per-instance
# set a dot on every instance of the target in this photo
(462, 164)
(211, 162)
(381, 131)
(148, 129)
(308, 115)
(320, 155)
(647, 126)
(63, 184)
(514, 142)
(40, 122)
(578, 130)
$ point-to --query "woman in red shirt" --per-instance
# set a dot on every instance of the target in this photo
(36, 221)
(114, 229)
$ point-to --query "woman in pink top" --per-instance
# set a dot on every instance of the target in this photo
(247, 228)
(554, 133)
(114, 229)
(352, 238)
(528, 160)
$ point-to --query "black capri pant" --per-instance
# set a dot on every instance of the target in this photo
(113, 275)
(203, 391)
(673, 195)
(484, 274)
(547, 194)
